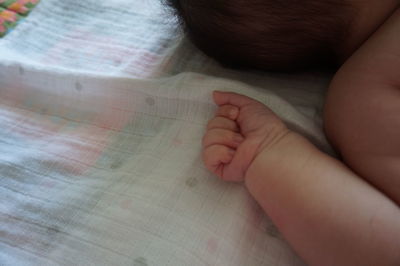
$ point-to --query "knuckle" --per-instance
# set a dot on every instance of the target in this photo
(229, 135)
(221, 123)
(221, 136)
(232, 136)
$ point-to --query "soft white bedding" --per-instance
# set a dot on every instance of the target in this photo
(102, 110)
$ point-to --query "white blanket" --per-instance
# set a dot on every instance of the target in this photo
(102, 108)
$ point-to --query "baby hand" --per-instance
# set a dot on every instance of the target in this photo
(240, 130)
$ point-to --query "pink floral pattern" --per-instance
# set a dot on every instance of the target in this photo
(11, 12)
(22, 6)
(8, 16)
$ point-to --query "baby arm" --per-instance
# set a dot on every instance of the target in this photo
(362, 112)
(328, 214)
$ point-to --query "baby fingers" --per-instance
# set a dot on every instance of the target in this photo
(228, 111)
(231, 98)
(218, 136)
(222, 123)
(216, 157)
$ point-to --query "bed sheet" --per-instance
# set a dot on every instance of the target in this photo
(102, 108)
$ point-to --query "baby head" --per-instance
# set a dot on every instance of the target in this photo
(266, 34)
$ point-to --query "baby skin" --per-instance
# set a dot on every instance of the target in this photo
(332, 212)
(326, 212)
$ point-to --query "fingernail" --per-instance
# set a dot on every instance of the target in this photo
(233, 113)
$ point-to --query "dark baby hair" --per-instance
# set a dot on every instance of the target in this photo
(266, 34)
